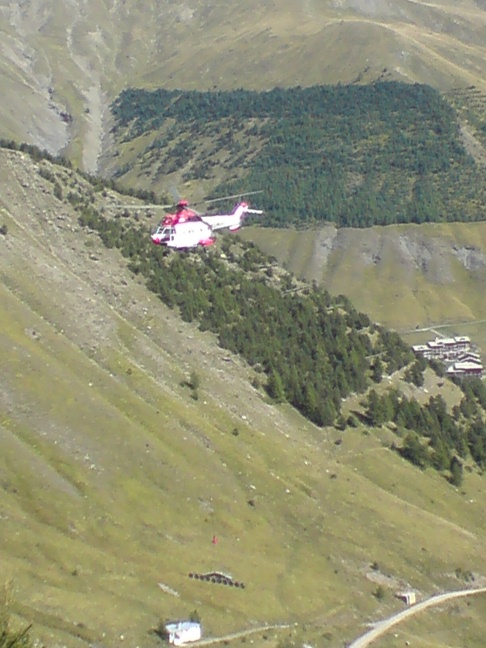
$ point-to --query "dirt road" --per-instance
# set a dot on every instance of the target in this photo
(383, 626)
(243, 633)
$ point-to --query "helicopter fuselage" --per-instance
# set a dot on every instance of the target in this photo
(184, 235)
(187, 229)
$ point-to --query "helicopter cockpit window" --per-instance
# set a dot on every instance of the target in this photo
(166, 232)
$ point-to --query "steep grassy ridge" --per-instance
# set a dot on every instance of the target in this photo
(60, 60)
(401, 275)
(114, 479)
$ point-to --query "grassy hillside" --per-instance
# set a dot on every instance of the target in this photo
(460, 624)
(404, 276)
(114, 479)
(62, 65)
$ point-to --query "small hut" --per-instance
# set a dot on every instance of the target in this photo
(183, 632)
(408, 597)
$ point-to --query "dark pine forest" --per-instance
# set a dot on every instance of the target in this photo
(354, 155)
(308, 348)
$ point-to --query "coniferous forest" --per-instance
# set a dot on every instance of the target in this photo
(308, 348)
(353, 155)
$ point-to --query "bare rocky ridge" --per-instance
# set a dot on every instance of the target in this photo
(63, 63)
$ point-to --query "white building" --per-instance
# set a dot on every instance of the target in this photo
(466, 368)
(183, 632)
(409, 597)
(443, 348)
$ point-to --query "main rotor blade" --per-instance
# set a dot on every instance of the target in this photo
(240, 195)
(177, 199)
(174, 193)
(145, 206)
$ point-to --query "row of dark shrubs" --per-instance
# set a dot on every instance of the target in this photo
(220, 580)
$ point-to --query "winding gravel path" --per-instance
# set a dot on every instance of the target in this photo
(383, 626)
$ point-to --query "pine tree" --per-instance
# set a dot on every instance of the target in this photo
(377, 373)
(376, 410)
(456, 472)
(440, 456)
(10, 638)
(275, 387)
(414, 451)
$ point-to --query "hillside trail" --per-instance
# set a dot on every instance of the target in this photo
(410, 506)
(242, 633)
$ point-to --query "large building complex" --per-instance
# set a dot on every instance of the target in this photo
(455, 352)
(443, 348)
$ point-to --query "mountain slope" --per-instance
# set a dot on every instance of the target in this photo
(115, 479)
(62, 64)
(401, 275)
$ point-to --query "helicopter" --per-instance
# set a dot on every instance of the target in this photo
(183, 230)
(186, 228)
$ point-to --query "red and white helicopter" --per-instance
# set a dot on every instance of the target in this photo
(186, 228)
